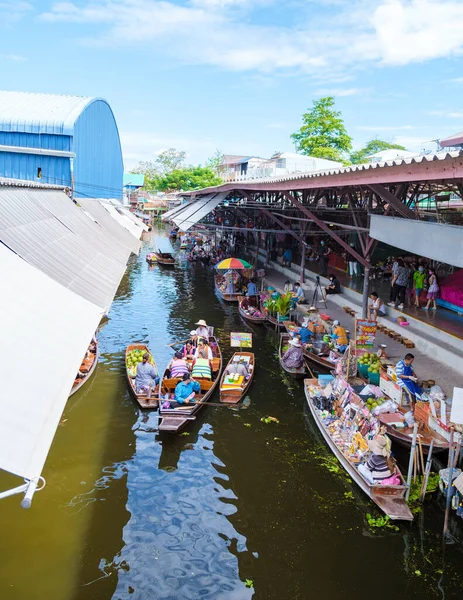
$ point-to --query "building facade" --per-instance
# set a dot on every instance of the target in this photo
(70, 141)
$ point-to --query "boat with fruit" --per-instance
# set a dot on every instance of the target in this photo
(134, 355)
(87, 368)
(235, 387)
(175, 419)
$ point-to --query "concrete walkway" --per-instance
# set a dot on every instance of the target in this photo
(427, 366)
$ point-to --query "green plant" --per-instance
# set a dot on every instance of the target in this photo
(249, 583)
(283, 304)
(380, 522)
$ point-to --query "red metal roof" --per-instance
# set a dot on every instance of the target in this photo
(453, 140)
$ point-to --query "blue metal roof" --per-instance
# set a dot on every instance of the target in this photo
(41, 113)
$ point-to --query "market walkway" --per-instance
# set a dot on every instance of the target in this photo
(426, 367)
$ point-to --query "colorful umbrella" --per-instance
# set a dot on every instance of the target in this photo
(233, 263)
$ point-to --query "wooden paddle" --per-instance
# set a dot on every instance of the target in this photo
(176, 343)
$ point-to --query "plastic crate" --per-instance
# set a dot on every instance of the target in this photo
(374, 378)
(363, 369)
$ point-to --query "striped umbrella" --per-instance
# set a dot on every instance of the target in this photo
(233, 263)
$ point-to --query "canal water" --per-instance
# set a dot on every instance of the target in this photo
(232, 509)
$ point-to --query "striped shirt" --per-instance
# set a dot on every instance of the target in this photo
(202, 369)
(400, 370)
(178, 368)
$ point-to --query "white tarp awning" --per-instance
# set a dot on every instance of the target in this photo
(167, 216)
(134, 218)
(123, 220)
(437, 241)
(45, 329)
(107, 222)
(203, 207)
(51, 233)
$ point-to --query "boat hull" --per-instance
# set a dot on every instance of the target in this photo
(142, 399)
(81, 382)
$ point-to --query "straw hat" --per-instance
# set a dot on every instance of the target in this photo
(379, 445)
(295, 342)
(313, 309)
(201, 322)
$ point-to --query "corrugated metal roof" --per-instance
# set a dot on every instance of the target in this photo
(47, 328)
(454, 140)
(41, 113)
(175, 210)
(339, 171)
(51, 233)
(24, 183)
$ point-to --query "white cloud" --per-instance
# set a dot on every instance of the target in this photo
(454, 80)
(14, 57)
(11, 11)
(333, 39)
(447, 114)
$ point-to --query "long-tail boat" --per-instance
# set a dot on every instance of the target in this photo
(144, 400)
(231, 391)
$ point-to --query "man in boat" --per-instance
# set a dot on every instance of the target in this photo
(185, 391)
(339, 335)
(202, 330)
(406, 377)
(293, 358)
(146, 376)
(237, 366)
(179, 366)
(252, 288)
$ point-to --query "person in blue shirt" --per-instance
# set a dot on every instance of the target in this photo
(252, 288)
(287, 257)
(185, 390)
(305, 334)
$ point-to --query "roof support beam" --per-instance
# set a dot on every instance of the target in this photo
(326, 229)
(283, 226)
(386, 195)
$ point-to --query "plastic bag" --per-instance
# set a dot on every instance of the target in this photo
(409, 418)
(385, 407)
(436, 393)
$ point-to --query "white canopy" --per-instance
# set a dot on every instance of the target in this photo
(45, 329)
(198, 210)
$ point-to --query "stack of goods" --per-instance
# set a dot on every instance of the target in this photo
(133, 358)
(369, 366)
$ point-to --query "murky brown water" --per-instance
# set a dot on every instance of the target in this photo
(130, 514)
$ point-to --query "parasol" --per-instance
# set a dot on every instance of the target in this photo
(233, 263)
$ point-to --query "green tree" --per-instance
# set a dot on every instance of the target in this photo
(215, 160)
(169, 160)
(323, 133)
(188, 178)
(372, 147)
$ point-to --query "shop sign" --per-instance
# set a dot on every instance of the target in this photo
(390, 388)
(240, 340)
(365, 333)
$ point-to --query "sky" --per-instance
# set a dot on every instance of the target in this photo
(236, 75)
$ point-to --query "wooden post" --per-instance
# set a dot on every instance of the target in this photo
(411, 461)
(426, 473)
(449, 487)
(366, 284)
(302, 278)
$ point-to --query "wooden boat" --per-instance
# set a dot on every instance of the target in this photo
(174, 419)
(232, 393)
(250, 301)
(87, 368)
(142, 399)
(284, 341)
(404, 436)
(322, 361)
(163, 252)
(165, 259)
(389, 498)
(227, 297)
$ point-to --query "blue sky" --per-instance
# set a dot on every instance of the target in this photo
(236, 75)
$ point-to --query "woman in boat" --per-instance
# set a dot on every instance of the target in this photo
(147, 377)
(202, 365)
(203, 330)
(305, 335)
(205, 349)
(237, 366)
(293, 358)
(379, 465)
(339, 335)
(188, 350)
(179, 367)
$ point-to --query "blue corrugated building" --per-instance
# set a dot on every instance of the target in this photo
(65, 140)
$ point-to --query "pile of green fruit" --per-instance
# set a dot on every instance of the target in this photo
(133, 358)
(371, 361)
(372, 403)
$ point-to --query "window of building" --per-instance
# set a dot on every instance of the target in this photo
(281, 163)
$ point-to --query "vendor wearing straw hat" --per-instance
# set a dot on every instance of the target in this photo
(293, 358)
(203, 329)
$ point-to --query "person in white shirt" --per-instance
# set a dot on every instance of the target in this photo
(376, 307)
(288, 287)
(203, 329)
(203, 346)
(300, 297)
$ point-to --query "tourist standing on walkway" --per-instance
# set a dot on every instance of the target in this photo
(287, 257)
(353, 264)
(419, 277)
(323, 254)
(433, 290)
(399, 284)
